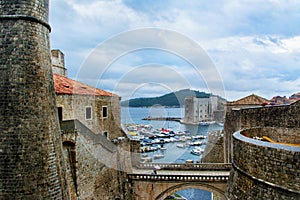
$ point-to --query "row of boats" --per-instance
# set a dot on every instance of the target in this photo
(190, 140)
(146, 158)
(154, 140)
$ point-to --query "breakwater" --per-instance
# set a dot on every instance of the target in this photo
(175, 119)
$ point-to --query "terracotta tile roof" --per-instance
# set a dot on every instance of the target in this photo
(280, 100)
(64, 85)
(249, 100)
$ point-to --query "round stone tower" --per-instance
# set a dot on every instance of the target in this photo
(31, 160)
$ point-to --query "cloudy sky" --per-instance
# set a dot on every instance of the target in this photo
(138, 48)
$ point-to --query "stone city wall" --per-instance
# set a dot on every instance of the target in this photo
(277, 134)
(31, 161)
(285, 116)
(214, 149)
(94, 171)
(263, 170)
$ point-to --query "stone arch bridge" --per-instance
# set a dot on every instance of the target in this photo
(171, 178)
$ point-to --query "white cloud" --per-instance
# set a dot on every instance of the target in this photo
(292, 44)
(253, 43)
(106, 12)
(265, 65)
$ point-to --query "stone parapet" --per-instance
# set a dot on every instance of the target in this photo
(270, 171)
(283, 117)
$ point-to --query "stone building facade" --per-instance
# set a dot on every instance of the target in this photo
(89, 119)
(31, 158)
(203, 109)
(97, 109)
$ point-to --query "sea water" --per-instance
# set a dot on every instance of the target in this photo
(173, 154)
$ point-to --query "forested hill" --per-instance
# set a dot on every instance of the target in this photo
(174, 99)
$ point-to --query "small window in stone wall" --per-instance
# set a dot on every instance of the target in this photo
(88, 112)
(104, 112)
(60, 113)
(105, 133)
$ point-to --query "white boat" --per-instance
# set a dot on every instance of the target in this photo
(157, 156)
(196, 143)
(199, 137)
(205, 123)
(162, 148)
(197, 151)
(182, 139)
(179, 133)
(146, 159)
(188, 137)
(180, 145)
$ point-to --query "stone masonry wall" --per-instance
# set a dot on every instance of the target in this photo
(74, 108)
(257, 190)
(101, 174)
(96, 171)
(263, 170)
(285, 116)
(214, 148)
(31, 161)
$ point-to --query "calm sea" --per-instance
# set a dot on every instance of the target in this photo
(173, 154)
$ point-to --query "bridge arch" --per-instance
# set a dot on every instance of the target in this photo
(182, 186)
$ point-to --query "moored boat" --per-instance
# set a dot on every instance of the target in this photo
(196, 143)
(197, 151)
(146, 159)
(157, 156)
(180, 145)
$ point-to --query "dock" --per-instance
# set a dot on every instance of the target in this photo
(176, 119)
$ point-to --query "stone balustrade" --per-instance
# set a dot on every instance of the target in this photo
(188, 166)
(189, 178)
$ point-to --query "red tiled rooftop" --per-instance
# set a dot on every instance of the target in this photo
(64, 85)
(249, 100)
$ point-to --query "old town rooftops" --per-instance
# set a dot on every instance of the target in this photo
(64, 85)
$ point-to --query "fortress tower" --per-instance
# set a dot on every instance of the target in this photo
(31, 160)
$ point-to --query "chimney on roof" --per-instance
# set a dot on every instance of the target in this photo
(58, 62)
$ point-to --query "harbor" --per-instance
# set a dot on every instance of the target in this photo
(167, 141)
(183, 143)
(165, 145)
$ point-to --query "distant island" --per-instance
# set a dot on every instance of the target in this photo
(173, 99)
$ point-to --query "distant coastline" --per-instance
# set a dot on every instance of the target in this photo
(170, 100)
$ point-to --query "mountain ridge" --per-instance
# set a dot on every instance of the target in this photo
(173, 99)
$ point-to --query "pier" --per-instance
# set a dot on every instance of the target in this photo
(175, 119)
